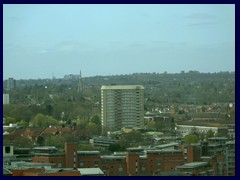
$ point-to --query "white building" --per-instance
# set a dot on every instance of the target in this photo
(5, 98)
(122, 106)
(187, 129)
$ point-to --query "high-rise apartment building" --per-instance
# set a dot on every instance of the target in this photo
(11, 84)
(122, 106)
(5, 98)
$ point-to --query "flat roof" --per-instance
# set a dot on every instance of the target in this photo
(113, 157)
(114, 87)
(45, 148)
(36, 164)
(230, 142)
(88, 152)
(163, 151)
(218, 138)
(90, 171)
(57, 170)
(192, 165)
(134, 149)
(166, 145)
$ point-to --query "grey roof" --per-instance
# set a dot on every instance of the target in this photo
(45, 148)
(192, 165)
(166, 145)
(114, 87)
(113, 157)
(90, 171)
(88, 152)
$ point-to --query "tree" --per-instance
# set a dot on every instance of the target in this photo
(96, 119)
(191, 138)
(133, 137)
(82, 124)
(9, 120)
(151, 124)
(116, 147)
(57, 141)
(40, 140)
(23, 123)
(42, 121)
(23, 142)
(49, 109)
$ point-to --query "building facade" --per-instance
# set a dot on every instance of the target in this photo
(5, 98)
(11, 84)
(122, 106)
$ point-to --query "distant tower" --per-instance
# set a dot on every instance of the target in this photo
(80, 84)
(11, 84)
(122, 106)
(53, 77)
(5, 98)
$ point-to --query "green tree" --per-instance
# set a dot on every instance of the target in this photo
(40, 140)
(23, 123)
(191, 138)
(49, 109)
(57, 141)
(9, 120)
(116, 147)
(82, 124)
(133, 137)
(42, 121)
(151, 124)
(23, 142)
(96, 119)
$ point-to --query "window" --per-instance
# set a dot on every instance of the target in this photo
(120, 168)
(95, 163)
(81, 162)
(159, 164)
(143, 167)
(7, 149)
(59, 164)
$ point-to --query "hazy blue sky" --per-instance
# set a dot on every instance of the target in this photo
(41, 40)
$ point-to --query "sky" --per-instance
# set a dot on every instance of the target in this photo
(46, 40)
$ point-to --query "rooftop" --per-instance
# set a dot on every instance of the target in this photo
(45, 148)
(166, 145)
(88, 152)
(112, 157)
(90, 171)
(115, 87)
(192, 165)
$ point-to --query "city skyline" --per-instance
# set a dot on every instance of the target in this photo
(42, 40)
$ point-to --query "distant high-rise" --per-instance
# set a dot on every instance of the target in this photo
(5, 98)
(11, 84)
(122, 106)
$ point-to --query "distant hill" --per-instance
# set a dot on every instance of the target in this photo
(192, 87)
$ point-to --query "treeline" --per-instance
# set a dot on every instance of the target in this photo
(60, 98)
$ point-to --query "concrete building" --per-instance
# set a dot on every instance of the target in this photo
(8, 154)
(5, 98)
(122, 106)
(196, 169)
(11, 84)
(230, 158)
(187, 129)
(102, 141)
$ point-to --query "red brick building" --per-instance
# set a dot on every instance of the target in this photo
(135, 162)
